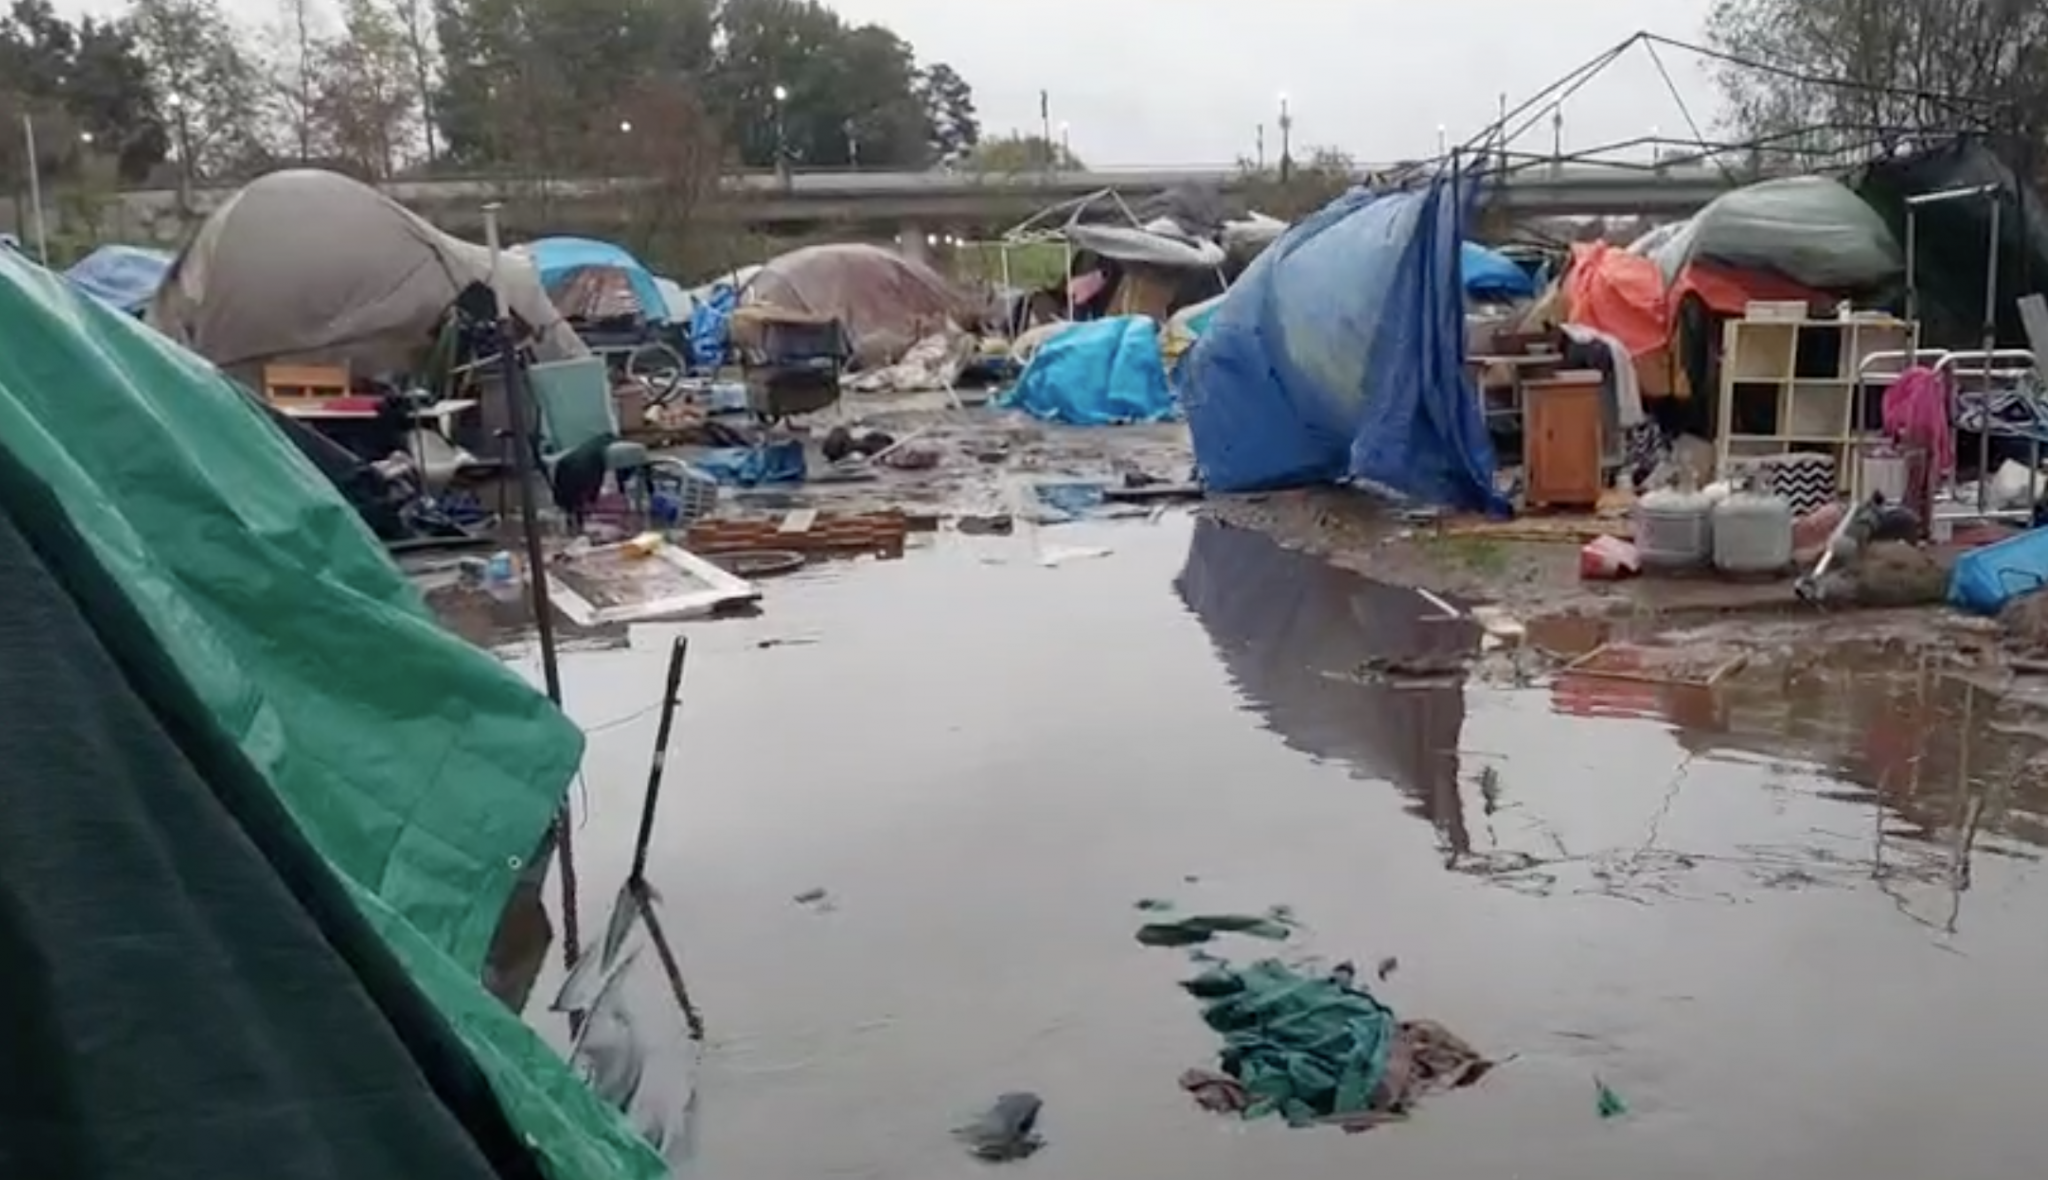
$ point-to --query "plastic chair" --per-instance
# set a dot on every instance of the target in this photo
(575, 400)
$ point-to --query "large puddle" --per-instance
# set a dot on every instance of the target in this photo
(1794, 920)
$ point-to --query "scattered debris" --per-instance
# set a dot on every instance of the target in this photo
(793, 641)
(921, 455)
(1432, 667)
(1054, 556)
(1154, 905)
(1387, 967)
(810, 896)
(1007, 1131)
(1607, 1101)
(1276, 925)
(999, 524)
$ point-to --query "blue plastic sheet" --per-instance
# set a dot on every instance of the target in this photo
(124, 278)
(1340, 355)
(1490, 274)
(1100, 373)
(746, 467)
(558, 258)
(708, 326)
(1985, 579)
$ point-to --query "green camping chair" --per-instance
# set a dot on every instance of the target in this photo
(575, 400)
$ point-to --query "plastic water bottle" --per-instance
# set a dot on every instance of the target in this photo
(499, 571)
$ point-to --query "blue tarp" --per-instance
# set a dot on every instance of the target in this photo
(1098, 373)
(1985, 579)
(1340, 356)
(708, 324)
(1491, 274)
(559, 258)
(124, 278)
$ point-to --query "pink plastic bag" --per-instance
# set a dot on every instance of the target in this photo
(1607, 559)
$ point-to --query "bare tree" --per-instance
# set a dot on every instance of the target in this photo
(1842, 75)
(364, 96)
(420, 56)
(664, 152)
(293, 48)
(209, 88)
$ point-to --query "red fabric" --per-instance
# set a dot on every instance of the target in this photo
(1729, 290)
(1916, 414)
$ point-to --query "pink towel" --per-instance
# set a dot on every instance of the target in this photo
(1916, 414)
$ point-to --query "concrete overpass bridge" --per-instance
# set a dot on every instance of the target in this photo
(914, 204)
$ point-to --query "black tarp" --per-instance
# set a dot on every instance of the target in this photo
(1952, 239)
(188, 992)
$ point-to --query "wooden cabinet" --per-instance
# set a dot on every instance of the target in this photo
(1561, 440)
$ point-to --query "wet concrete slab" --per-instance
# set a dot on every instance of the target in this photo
(1794, 920)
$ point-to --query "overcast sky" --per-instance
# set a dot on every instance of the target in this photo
(1188, 81)
(1166, 82)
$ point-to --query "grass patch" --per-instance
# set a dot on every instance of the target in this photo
(1481, 555)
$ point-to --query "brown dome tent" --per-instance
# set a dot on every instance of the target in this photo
(886, 302)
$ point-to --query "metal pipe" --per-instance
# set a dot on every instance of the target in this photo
(1952, 194)
(35, 190)
(651, 801)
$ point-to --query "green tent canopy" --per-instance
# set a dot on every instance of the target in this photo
(419, 769)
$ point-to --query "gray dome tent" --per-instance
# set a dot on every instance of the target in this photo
(312, 267)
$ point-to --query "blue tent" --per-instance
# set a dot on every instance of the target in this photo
(124, 278)
(1099, 373)
(1493, 275)
(1340, 356)
(559, 258)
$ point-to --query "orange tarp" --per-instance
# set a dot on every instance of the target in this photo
(1623, 294)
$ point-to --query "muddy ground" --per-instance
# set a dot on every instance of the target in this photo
(1791, 917)
(989, 458)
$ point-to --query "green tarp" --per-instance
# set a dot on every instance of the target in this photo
(419, 767)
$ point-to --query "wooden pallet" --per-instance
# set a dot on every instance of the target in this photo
(805, 530)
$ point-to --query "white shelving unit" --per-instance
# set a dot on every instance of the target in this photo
(1807, 377)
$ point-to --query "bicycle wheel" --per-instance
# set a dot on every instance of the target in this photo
(658, 366)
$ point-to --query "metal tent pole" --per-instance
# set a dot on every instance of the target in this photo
(516, 394)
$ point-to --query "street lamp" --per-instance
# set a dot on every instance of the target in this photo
(625, 126)
(781, 95)
(1286, 140)
(182, 131)
(1066, 147)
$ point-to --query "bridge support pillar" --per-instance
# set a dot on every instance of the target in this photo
(913, 241)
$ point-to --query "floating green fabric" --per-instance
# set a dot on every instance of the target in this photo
(1304, 1047)
(1200, 928)
(421, 769)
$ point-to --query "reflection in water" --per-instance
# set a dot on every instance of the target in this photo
(639, 1033)
(1292, 632)
(1943, 765)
